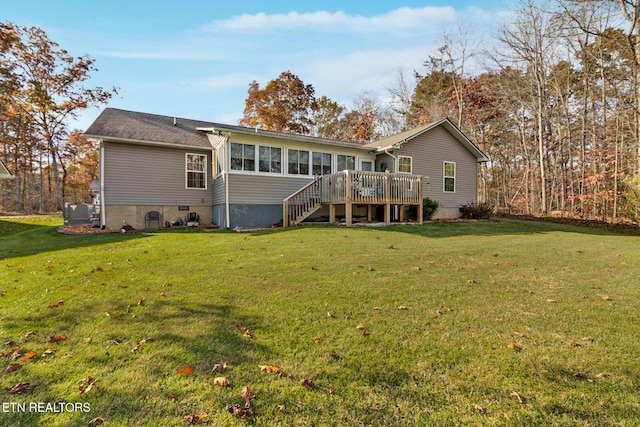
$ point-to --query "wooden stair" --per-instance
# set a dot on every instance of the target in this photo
(301, 204)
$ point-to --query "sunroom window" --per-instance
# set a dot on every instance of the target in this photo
(321, 163)
(345, 162)
(298, 162)
(243, 157)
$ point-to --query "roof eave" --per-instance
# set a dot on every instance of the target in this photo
(146, 143)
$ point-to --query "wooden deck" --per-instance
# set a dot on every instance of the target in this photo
(350, 188)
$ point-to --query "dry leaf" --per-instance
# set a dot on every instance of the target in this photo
(192, 419)
(317, 339)
(366, 334)
(246, 394)
(247, 333)
(187, 370)
(574, 344)
(307, 383)
(11, 368)
(19, 388)
(517, 396)
(606, 297)
(27, 335)
(29, 356)
(480, 409)
(222, 381)
(269, 368)
(596, 287)
(96, 420)
(515, 347)
(59, 338)
(48, 352)
(136, 348)
(55, 304)
(471, 281)
(360, 326)
(122, 286)
(401, 307)
(329, 315)
(240, 411)
(86, 384)
(219, 367)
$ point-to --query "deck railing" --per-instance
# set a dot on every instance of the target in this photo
(359, 187)
(301, 203)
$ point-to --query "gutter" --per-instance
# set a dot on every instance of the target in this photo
(395, 160)
(103, 214)
(225, 176)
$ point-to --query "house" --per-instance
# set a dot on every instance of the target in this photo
(244, 177)
(4, 172)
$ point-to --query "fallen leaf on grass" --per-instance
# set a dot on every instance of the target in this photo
(366, 334)
(11, 368)
(574, 344)
(219, 367)
(192, 419)
(307, 383)
(246, 394)
(596, 287)
(86, 384)
(240, 411)
(480, 409)
(96, 421)
(401, 307)
(29, 356)
(59, 338)
(55, 304)
(605, 297)
(28, 335)
(136, 348)
(122, 286)
(222, 381)
(269, 369)
(48, 351)
(360, 326)
(187, 370)
(19, 388)
(517, 396)
(515, 347)
(471, 281)
(245, 331)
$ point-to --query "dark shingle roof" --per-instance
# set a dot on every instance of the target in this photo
(126, 125)
(130, 125)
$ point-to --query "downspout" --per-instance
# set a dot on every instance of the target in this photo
(395, 160)
(225, 174)
(103, 215)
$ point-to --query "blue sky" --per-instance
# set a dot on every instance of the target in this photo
(195, 59)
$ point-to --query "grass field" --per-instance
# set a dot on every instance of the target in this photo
(473, 323)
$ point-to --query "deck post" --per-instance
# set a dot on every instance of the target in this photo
(285, 214)
(332, 213)
(369, 209)
(420, 219)
(387, 191)
(348, 212)
(348, 207)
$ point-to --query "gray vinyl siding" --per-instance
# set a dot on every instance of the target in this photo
(264, 189)
(144, 175)
(218, 190)
(428, 152)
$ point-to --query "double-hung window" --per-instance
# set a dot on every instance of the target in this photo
(321, 163)
(196, 167)
(449, 181)
(298, 162)
(345, 162)
(404, 164)
(243, 157)
(270, 159)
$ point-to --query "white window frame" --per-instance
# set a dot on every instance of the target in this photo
(345, 156)
(445, 176)
(244, 159)
(370, 162)
(203, 172)
(271, 148)
(410, 164)
(322, 163)
(309, 162)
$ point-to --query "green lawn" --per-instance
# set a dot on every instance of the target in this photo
(479, 323)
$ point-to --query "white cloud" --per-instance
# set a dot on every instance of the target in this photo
(396, 21)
